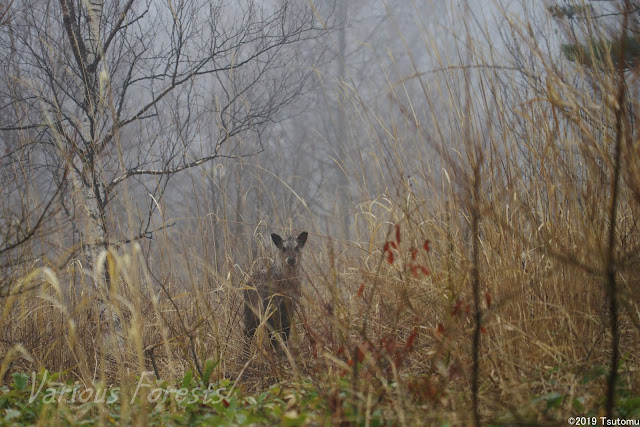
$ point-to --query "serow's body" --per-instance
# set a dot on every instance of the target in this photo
(275, 292)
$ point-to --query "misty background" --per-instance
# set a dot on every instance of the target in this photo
(240, 118)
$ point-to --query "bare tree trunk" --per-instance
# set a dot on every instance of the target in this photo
(89, 191)
(95, 8)
(95, 199)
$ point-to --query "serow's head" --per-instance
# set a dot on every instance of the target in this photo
(289, 248)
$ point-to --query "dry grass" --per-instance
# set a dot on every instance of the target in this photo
(543, 169)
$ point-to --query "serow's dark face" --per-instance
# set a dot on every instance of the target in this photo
(290, 247)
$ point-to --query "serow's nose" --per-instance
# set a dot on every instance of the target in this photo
(291, 261)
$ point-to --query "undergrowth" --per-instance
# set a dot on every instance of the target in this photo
(490, 273)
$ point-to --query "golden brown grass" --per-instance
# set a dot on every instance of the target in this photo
(384, 326)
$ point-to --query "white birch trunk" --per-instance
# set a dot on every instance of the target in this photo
(97, 232)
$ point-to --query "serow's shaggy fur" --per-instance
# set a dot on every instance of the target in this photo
(275, 292)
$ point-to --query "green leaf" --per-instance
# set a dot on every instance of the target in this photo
(629, 407)
(186, 380)
(554, 400)
(241, 418)
(11, 414)
(209, 366)
(20, 381)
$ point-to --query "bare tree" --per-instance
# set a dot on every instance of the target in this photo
(142, 89)
(23, 212)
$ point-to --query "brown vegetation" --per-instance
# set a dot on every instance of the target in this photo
(492, 271)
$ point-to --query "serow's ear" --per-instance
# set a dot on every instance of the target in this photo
(302, 239)
(277, 240)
